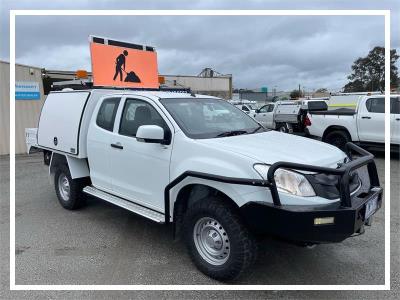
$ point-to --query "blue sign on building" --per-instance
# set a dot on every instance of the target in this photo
(27, 90)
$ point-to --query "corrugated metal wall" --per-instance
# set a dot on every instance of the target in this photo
(4, 108)
(26, 111)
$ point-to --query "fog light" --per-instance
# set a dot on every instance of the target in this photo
(324, 221)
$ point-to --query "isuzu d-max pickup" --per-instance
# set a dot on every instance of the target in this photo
(219, 180)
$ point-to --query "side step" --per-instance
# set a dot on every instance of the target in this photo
(136, 208)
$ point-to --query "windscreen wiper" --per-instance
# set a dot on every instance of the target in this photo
(257, 129)
(232, 133)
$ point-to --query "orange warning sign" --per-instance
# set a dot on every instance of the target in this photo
(121, 65)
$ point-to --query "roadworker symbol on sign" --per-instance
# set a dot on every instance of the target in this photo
(121, 64)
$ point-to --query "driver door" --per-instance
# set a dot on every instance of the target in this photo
(395, 120)
(261, 115)
(371, 120)
(269, 117)
(140, 171)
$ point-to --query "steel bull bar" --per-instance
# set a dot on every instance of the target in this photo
(343, 171)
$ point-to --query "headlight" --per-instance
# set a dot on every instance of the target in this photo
(288, 181)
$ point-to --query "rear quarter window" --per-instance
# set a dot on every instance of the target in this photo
(106, 115)
(395, 105)
(376, 105)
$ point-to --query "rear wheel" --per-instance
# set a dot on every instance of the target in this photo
(338, 138)
(219, 243)
(68, 190)
(283, 128)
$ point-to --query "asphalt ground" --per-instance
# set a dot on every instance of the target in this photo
(104, 244)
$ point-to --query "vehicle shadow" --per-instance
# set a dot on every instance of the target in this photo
(156, 258)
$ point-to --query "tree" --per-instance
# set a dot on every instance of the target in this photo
(368, 73)
(322, 90)
(295, 94)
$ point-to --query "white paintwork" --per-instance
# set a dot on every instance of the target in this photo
(278, 112)
(265, 115)
(246, 108)
(60, 119)
(77, 167)
(372, 129)
(320, 123)
(363, 126)
(140, 171)
(395, 128)
(150, 132)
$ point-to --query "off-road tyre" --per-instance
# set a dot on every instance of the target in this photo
(76, 198)
(242, 245)
(282, 127)
(338, 138)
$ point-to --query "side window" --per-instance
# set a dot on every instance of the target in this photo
(264, 109)
(106, 115)
(395, 105)
(137, 113)
(245, 108)
(270, 108)
(376, 105)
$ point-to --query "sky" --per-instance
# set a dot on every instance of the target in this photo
(281, 52)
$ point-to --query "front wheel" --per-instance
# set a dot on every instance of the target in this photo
(219, 244)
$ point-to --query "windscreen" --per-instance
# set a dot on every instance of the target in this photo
(209, 118)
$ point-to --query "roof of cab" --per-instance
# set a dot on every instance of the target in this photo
(152, 94)
(165, 95)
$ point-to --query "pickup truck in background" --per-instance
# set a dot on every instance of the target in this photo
(287, 116)
(220, 179)
(364, 125)
(247, 108)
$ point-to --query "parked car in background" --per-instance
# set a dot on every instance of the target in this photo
(214, 111)
(247, 108)
(364, 125)
(287, 116)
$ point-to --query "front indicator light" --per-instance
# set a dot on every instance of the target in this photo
(324, 221)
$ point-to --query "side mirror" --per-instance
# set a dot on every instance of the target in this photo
(150, 134)
(257, 111)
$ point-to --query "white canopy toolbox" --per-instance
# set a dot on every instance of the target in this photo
(60, 121)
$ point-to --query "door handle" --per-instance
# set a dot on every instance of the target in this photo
(118, 146)
(365, 117)
(397, 119)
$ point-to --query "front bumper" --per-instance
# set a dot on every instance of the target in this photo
(296, 223)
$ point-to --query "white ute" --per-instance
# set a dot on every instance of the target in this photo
(365, 125)
(287, 116)
(219, 180)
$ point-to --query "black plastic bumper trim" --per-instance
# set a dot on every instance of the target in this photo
(296, 223)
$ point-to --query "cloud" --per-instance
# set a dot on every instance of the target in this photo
(258, 51)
